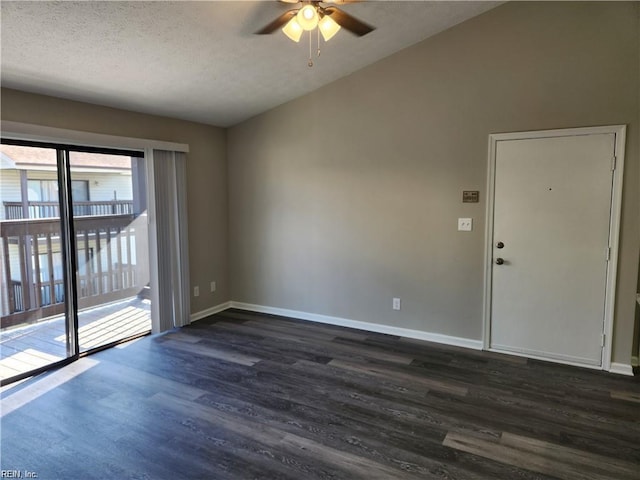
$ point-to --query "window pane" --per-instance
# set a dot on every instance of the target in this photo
(80, 190)
(35, 192)
(49, 190)
(109, 205)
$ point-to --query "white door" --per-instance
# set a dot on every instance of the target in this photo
(552, 208)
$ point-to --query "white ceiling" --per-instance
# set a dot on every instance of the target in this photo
(196, 61)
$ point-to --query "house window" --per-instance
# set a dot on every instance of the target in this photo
(80, 190)
(43, 190)
(47, 190)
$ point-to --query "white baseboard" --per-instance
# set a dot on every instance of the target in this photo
(621, 369)
(210, 311)
(371, 327)
(618, 368)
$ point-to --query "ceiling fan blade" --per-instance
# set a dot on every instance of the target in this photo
(288, 1)
(277, 23)
(348, 22)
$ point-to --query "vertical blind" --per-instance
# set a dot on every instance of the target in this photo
(172, 262)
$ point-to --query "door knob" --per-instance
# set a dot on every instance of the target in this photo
(499, 261)
(499, 245)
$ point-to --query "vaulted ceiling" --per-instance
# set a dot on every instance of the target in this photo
(197, 61)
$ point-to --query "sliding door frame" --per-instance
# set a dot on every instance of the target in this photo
(68, 246)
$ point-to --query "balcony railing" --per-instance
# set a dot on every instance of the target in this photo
(110, 267)
(15, 210)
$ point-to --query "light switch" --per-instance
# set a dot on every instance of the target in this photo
(396, 303)
(465, 224)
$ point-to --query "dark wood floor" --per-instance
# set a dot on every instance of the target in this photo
(249, 396)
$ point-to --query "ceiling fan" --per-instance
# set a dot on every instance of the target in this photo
(311, 14)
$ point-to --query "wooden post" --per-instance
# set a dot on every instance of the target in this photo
(38, 276)
(7, 263)
(24, 193)
(28, 286)
(52, 278)
(24, 252)
(120, 284)
(97, 253)
(110, 286)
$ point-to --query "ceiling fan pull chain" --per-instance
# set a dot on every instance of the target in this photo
(310, 41)
(318, 30)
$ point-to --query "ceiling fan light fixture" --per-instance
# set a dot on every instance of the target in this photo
(328, 27)
(307, 17)
(293, 30)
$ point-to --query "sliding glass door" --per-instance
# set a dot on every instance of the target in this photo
(75, 269)
(111, 247)
(36, 326)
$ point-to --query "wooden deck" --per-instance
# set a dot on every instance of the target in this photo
(33, 346)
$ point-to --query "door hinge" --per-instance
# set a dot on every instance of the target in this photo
(613, 163)
(602, 340)
(607, 253)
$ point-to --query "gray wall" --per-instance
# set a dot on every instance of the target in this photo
(206, 173)
(349, 196)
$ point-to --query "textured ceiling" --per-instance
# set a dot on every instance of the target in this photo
(196, 61)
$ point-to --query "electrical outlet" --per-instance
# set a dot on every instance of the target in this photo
(465, 224)
(196, 291)
(396, 304)
(213, 287)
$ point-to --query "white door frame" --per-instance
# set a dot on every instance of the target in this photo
(614, 225)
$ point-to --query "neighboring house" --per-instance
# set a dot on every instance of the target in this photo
(100, 185)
